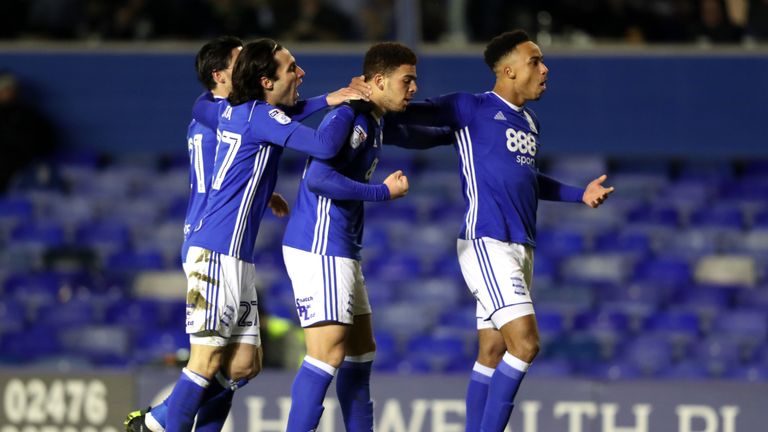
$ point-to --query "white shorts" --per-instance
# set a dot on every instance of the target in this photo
(498, 274)
(326, 288)
(222, 303)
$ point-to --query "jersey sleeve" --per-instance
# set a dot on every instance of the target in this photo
(328, 139)
(553, 190)
(454, 110)
(417, 137)
(206, 110)
(271, 124)
(306, 108)
(323, 179)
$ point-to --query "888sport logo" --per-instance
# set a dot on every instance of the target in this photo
(524, 144)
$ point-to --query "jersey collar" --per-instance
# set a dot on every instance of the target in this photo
(511, 105)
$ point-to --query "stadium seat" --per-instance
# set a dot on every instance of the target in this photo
(598, 267)
(685, 370)
(439, 352)
(650, 354)
(614, 371)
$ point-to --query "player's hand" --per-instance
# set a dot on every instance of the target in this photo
(357, 89)
(595, 194)
(397, 183)
(279, 205)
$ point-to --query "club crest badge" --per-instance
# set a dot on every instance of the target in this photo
(279, 116)
(358, 137)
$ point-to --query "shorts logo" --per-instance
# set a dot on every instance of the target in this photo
(279, 116)
(358, 137)
(303, 310)
(518, 285)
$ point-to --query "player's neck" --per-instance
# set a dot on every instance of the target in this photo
(220, 92)
(509, 94)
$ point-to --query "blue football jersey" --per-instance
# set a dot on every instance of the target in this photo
(327, 218)
(251, 138)
(498, 146)
(201, 144)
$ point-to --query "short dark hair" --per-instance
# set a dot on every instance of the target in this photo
(256, 60)
(503, 44)
(215, 56)
(385, 57)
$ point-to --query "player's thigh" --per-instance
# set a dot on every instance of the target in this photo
(491, 347)
(360, 339)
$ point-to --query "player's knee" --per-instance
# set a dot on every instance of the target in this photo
(490, 354)
(526, 348)
(244, 370)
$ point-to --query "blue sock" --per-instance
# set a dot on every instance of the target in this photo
(501, 393)
(354, 392)
(217, 404)
(184, 401)
(159, 414)
(477, 394)
(307, 394)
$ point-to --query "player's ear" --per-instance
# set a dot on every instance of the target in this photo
(267, 83)
(509, 72)
(378, 81)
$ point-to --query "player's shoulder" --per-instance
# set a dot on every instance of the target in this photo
(267, 114)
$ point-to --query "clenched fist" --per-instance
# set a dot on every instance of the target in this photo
(397, 183)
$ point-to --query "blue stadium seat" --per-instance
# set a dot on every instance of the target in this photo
(13, 316)
(729, 216)
(129, 261)
(614, 371)
(718, 354)
(439, 352)
(387, 351)
(404, 319)
(15, 209)
(757, 373)
(685, 370)
(560, 242)
(107, 237)
(631, 241)
(680, 327)
(393, 268)
(102, 345)
(154, 346)
(749, 327)
(669, 270)
(664, 215)
(550, 368)
(650, 354)
(136, 314)
(442, 293)
(599, 267)
(45, 234)
(67, 314)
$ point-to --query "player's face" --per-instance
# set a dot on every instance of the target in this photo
(289, 77)
(526, 63)
(399, 88)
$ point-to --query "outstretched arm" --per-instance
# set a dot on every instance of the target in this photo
(357, 89)
(593, 195)
(417, 137)
(206, 110)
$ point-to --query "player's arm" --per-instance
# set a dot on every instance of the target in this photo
(357, 89)
(206, 110)
(271, 125)
(553, 190)
(417, 137)
(323, 179)
(453, 110)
